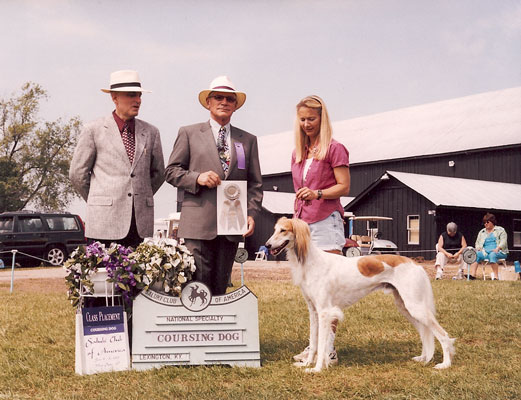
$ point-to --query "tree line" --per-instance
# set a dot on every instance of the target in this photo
(34, 154)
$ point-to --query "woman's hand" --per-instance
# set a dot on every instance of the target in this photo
(306, 193)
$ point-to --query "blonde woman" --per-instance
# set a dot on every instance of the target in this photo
(320, 170)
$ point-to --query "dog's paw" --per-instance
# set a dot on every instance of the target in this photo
(301, 364)
(442, 365)
(420, 359)
(314, 370)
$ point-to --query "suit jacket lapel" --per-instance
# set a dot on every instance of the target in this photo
(208, 140)
(140, 136)
(115, 141)
(234, 137)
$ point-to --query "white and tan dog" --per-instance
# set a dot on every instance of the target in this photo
(330, 282)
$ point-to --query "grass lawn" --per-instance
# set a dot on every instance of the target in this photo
(375, 345)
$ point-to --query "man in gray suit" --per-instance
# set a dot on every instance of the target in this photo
(205, 154)
(117, 167)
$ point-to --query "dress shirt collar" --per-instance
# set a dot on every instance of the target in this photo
(215, 130)
(131, 123)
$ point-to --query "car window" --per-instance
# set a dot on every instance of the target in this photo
(62, 223)
(6, 224)
(30, 224)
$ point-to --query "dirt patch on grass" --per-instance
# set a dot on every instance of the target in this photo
(38, 279)
(279, 271)
(42, 285)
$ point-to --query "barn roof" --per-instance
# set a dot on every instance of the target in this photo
(459, 192)
(483, 120)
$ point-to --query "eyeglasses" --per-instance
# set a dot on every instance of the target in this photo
(220, 97)
(486, 222)
(132, 94)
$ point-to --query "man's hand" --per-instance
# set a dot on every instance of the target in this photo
(251, 227)
(209, 179)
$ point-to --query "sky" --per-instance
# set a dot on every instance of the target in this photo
(361, 56)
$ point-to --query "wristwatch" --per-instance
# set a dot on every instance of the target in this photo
(319, 192)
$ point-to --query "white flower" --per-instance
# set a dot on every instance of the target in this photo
(156, 260)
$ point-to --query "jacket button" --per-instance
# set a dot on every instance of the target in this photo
(132, 175)
(130, 195)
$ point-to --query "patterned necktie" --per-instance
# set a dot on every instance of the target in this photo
(224, 150)
(129, 142)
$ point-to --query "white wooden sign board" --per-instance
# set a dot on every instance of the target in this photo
(195, 329)
(101, 340)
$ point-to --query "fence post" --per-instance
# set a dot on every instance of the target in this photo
(12, 269)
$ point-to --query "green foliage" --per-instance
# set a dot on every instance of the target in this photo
(375, 346)
(34, 155)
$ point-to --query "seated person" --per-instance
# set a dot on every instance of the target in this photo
(264, 249)
(450, 246)
(491, 245)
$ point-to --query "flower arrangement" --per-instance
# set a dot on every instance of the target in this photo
(161, 262)
(81, 265)
(165, 262)
(128, 276)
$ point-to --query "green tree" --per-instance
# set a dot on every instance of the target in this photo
(34, 155)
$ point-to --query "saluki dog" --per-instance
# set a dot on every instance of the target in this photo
(330, 282)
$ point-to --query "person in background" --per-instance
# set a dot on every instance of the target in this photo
(320, 171)
(491, 245)
(451, 244)
(118, 166)
(204, 155)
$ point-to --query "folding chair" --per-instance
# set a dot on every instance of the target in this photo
(500, 263)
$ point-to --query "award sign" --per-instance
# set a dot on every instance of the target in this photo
(196, 328)
(232, 208)
(469, 255)
(101, 340)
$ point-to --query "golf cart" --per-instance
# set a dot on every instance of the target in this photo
(372, 243)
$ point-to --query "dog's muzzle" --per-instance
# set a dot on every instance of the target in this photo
(275, 251)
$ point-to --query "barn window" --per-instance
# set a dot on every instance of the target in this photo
(413, 229)
(517, 232)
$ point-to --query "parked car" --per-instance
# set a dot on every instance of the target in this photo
(372, 242)
(51, 236)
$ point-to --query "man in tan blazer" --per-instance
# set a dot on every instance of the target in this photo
(117, 167)
(196, 169)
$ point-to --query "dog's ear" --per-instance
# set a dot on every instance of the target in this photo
(302, 238)
(281, 220)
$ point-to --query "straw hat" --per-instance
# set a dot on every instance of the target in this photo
(222, 84)
(125, 81)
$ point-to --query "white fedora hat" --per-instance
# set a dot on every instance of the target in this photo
(222, 84)
(125, 81)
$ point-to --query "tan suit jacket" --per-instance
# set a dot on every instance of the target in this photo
(102, 174)
(194, 152)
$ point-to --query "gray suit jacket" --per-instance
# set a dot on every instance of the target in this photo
(102, 174)
(195, 152)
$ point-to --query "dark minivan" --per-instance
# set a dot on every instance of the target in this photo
(51, 236)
